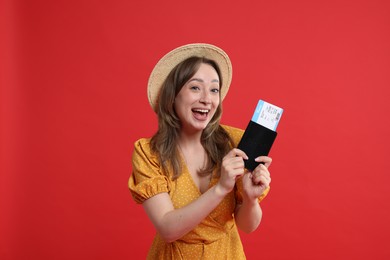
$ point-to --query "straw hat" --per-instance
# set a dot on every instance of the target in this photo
(174, 57)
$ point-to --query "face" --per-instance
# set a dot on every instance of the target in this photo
(198, 99)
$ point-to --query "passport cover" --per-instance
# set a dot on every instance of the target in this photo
(256, 141)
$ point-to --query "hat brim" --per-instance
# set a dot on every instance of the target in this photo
(174, 57)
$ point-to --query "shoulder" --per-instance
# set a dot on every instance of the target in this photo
(142, 142)
(234, 133)
(147, 178)
(233, 130)
(142, 148)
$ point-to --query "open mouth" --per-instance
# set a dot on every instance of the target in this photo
(200, 113)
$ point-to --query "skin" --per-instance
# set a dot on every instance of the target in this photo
(201, 94)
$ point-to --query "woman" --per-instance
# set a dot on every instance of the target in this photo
(189, 176)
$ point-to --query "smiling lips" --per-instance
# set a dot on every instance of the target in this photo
(200, 114)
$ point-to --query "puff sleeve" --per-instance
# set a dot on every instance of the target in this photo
(147, 178)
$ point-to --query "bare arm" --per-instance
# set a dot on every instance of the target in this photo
(173, 223)
(249, 214)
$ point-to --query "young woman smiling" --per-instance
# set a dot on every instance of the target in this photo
(189, 176)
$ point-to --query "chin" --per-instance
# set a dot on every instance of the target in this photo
(200, 127)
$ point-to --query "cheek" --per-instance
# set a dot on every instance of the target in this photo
(216, 102)
(179, 108)
(176, 108)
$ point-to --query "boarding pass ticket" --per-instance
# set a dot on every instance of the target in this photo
(267, 115)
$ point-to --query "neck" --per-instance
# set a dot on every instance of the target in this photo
(187, 139)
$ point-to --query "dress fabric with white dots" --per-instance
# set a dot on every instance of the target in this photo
(216, 237)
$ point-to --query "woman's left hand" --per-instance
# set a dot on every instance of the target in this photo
(256, 182)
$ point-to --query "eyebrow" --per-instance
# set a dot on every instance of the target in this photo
(201, 80)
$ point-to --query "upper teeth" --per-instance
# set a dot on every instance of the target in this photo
(201, 110)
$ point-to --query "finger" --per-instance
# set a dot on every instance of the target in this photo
(264, 160)
(256, 179)
(265, 181)
(237, 173)
(234, 162)
(261, 179)
(260, 169)
(264, 169)
(237, 152)
(238, 164)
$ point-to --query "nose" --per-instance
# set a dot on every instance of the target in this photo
(205, 97)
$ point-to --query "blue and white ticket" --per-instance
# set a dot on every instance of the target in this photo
(267, 115)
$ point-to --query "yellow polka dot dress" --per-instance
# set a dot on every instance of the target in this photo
(216, 237)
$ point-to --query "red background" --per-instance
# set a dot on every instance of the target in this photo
(73, 101)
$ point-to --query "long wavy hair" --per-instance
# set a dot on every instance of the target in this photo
(214, 138)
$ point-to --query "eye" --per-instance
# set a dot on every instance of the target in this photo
(215, 90)
(194, 88)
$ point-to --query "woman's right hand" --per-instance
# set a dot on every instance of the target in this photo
(232, 168)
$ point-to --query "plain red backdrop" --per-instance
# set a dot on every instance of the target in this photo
(73, 101)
